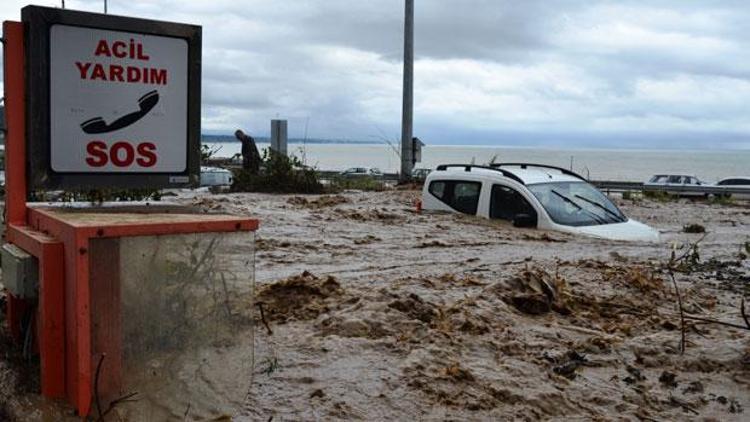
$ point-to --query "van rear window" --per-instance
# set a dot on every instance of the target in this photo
(460, 195)
(437, 189)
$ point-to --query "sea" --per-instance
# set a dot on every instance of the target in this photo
(595, 164)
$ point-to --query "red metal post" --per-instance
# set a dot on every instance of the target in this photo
(49, 251)
(15, 115)
(15, 148)
(51, 312)
(106, 316)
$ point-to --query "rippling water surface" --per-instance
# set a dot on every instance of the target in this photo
(600, 164)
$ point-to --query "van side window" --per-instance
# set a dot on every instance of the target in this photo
(506, 203)
(466, 196)
(461, 196)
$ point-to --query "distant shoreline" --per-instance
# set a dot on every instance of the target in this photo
(214, 139)
(219, 139)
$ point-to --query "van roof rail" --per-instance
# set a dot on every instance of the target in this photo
(525, 165)
(468, 167)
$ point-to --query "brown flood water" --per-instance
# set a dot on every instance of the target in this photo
(379, 313)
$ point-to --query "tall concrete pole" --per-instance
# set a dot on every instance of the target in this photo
(407, 111)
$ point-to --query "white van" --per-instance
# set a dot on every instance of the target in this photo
(530, 195)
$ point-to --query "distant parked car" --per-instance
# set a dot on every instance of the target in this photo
(420, 175)
(735, 182)
(215, 176)
(665, 181)
(361, 172)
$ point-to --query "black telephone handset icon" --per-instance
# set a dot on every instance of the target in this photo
(145, 104)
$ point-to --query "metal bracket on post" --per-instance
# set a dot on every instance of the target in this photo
(416, 148)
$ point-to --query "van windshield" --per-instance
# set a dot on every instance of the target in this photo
(576, 204)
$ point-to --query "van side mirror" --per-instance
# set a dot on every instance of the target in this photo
(524, 220)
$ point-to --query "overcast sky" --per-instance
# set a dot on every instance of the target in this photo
(575, 73)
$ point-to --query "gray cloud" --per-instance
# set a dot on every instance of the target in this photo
(594, 69)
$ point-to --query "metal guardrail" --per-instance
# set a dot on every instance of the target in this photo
(704, 189)
(616, 186)
(328, 175)
(603, 185)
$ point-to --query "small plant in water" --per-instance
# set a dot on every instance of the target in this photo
(271, 365)
(693, 228)
(721, 200)
(659, 196)
(360, 183)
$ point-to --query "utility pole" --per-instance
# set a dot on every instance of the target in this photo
(407, 162)
(105, 7)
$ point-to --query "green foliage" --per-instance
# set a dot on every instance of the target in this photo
(744, 251)
(659, 196)
(271, 365)
(721, 200)
(356, 183)
(99, 195)
(278, 174)
(207, 152)
(693, 228)
(634, 197)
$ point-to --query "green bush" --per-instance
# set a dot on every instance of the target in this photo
(693, 228)
(278, 174)
(356, 183)
(99, 195)
(207, 152)
(721, 200)
(659, 195)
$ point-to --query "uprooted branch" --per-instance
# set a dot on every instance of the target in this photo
(124, 399)
(130, 397)
(682, 311)
(716, 321)
(688, 259)
(263, 318)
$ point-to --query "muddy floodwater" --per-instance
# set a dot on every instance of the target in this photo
(375, 312)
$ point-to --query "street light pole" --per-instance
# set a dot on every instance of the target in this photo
(407, 162)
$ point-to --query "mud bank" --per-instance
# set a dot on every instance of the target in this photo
(378, 313)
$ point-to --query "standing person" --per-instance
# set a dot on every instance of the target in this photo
(250, 154)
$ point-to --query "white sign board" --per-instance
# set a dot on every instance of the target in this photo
(118, 101)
